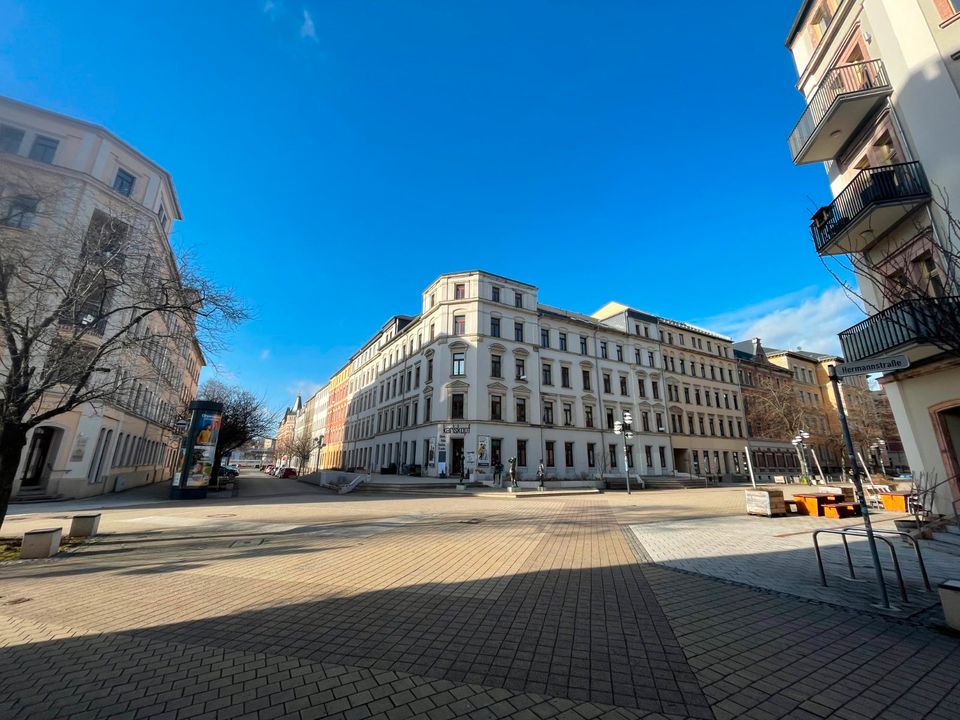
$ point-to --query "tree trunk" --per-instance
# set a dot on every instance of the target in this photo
(13, 438)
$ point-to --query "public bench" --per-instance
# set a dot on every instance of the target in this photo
(841, 510)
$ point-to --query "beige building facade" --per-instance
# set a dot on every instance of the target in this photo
(882, 83)
(90, 178)
(485, 373)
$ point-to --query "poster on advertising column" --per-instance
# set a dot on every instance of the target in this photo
(483, 451)
(204, 449)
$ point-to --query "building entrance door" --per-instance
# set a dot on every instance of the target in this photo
(950, 441)
(34, 474)
(456, 456)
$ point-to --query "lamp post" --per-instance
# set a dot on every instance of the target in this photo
(625, 428)
(799, 442)
(318, 443)
(879, 445)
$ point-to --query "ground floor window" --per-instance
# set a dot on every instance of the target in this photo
(522, 453)
(550, 458)
(591, 455)
(568, 454)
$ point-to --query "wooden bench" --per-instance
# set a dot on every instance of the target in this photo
(841, 510)
(791, 507)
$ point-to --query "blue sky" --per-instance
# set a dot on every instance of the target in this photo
(332, 157)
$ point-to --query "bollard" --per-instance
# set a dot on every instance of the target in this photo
(85, 525)
(40, 543)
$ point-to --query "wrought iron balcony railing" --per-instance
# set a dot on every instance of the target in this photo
(901, 184)
(908, 322)
(844, 82)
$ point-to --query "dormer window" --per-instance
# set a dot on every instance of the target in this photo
(43, 149)
(123, 182)
(162, 215)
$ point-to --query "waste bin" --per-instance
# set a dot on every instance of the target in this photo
(950, 599)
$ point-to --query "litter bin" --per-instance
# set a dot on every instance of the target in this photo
(950, 599)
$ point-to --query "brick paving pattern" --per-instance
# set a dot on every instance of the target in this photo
(394, 607)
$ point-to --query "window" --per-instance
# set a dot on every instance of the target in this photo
(565, 377)
(518, 331)
(603, 349)
(459, 291)
(518, 300)
(650, 361)
(713, 430)
(162, 217)
(10, 139)
(459, 324)
(648, 455)
(44, 148)
(588, 415)
(947, 8)
(606, 382)
(522, 453)
(696, 395)
(567, 414)
(496, 294)
(495, 327)
(18, 212)
(548, 413)
(586, 379)
(563, 340)
(591, 455)
(432, 331)
(620, 353)
(433, 299)
(659, 418)
(641, 387)
(700, 425)
(686, 395)
(459, 364)
(521, 410)
(663, 458)
(496, 366)
(609, 418)
(568, 454)
(612, 449)
(547, 374)
(123, 182)
(930, 275)
(496, 405)
(623, 385)
(429, 369)
(456, 406)
(521, 368)
(583, 345)
(645, 421)
(544, 338)
(655, 386)
(629, 455)
(416, 376)
(550, 456)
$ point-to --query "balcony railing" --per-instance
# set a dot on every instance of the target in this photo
(903, 185)
(908, 322)
(864, 81)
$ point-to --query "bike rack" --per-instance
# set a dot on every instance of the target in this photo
(843, 533)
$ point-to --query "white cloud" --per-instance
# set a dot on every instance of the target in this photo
(304, 388)
(804, 319)
(308, 29)
(265, 354)
(271, 9)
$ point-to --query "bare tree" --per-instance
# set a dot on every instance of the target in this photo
(299, 448)
(775, 412)
(93, 302)
(916, 280)
(245, 417)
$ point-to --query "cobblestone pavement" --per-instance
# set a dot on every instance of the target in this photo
(395, 607)
(778, 554)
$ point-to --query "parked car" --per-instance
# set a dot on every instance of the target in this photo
(288, 472)
(267, 469)
(227, 471)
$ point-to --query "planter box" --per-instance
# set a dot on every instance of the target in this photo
(765, 502)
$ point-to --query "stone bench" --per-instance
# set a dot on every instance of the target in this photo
(42, 543)
(85, 525)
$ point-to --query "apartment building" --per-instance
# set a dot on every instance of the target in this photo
(73, 186)
(485, 373)
(882, 83)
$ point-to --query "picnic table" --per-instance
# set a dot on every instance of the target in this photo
(896, 500)
(812, 503)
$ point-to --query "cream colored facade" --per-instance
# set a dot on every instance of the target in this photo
(882, 82)
(100, 447)
(486, 372)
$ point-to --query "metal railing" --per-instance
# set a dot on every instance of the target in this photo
(862, 532)
(909, 321)
(842, 80)
(888, 183)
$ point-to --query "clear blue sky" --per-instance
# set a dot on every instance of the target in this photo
(332, 157)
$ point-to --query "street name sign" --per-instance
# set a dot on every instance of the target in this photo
(876, 365)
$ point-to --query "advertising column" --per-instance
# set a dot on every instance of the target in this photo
(198, 451)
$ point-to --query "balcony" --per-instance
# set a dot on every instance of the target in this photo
(875, 201)
(907, 326)
(847, 95)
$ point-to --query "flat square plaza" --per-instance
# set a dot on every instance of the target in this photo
(304, 604)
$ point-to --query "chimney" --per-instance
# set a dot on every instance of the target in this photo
(758, 354)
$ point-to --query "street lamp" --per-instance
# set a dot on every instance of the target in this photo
(799, 442)
(879, 445)
(625, 428)
(318, 444)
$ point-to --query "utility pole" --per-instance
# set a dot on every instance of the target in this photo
(858, 486)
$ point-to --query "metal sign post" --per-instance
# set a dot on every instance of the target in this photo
(746, 451)
(858, 486)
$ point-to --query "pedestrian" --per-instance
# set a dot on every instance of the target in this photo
(540, 474)
(498, 474)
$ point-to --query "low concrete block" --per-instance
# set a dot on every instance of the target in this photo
(950, 599)
(85, 525)
(40, 543)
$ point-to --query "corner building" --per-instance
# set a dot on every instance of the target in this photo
(881, 80)
(485, 373)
